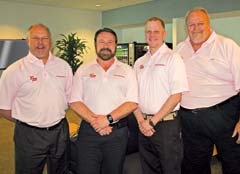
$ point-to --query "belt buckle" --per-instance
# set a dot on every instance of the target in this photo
(170, 116)
(147, 116)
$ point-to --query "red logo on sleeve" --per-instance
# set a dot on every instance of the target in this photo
(32, 78)
(92, 75)
(141, 66)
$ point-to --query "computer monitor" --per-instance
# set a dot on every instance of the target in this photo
(11, 50)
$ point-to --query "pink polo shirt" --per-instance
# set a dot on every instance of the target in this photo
(213, 71)
(159, 76)
(37, 94)
(103, 91)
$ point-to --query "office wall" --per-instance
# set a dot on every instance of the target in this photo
(15, 18)
(166, 9)
(228, 26)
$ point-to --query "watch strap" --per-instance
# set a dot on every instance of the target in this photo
(151, 123)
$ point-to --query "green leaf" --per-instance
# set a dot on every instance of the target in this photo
(71, 49)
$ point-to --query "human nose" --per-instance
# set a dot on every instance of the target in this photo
(40, 40)
(195, 25)
(105, 44)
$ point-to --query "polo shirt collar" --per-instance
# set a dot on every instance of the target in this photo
(116, 62)
(208, 41)
(161, 50)
(31, 58)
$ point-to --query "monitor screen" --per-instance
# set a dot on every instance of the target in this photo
(11, 50)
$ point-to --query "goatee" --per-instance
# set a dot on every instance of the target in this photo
(105, 54)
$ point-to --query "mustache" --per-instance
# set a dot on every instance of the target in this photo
(105, 49)
(197, 32)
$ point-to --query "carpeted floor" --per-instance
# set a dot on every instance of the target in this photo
(6, 147)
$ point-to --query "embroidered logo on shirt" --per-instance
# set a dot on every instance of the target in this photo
(92, 75)
(61, 76)
(32, 78)
(159, 64)
(118, 75)
(141, 66)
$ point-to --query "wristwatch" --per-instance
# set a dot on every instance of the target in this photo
(110, 119)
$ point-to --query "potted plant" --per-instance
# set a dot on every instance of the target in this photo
(71, 49)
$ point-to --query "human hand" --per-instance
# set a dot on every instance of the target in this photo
(100, 122)
(237, 132)
(105, 131)
(148, 133)
(145, 128)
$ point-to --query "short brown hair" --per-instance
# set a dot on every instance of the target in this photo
(108, 30)
(156, 19)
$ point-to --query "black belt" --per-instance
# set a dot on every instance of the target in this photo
(120, 124)
(211, 107)
(42, 128)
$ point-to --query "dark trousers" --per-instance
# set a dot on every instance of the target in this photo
(101, 154)
(202, 128)
(35, 147)
(162, 152)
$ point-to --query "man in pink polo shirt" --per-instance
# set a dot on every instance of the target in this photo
(34, 92)
(210, 110)
(104, 93)
(161, 79)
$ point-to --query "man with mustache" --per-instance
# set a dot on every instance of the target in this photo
(34, 93)
(104, 93)
(210, 110)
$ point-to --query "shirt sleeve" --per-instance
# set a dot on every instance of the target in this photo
(132, 91)
(233, 52)
(77, 87)
(179, 82)
(8, 89)
(69, 83)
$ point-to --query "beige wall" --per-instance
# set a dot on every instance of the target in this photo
(15, 19)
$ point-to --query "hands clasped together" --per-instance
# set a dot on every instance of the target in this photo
(101, 124)
(145, 128)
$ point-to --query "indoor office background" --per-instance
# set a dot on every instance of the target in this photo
(128, 22)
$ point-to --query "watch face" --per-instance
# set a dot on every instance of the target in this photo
(110, 119)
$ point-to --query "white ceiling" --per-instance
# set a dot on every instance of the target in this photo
(83, 4)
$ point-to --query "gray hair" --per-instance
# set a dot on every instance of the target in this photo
(39, 25)
(197, 9)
